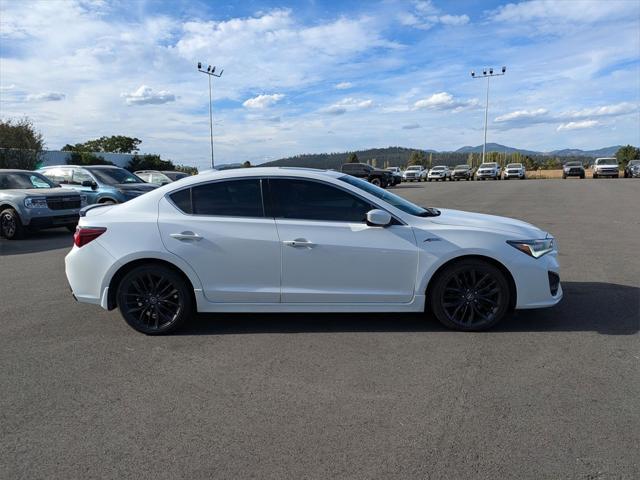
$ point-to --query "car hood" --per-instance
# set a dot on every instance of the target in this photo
(519, 229)
(41, 192)
(139, 187)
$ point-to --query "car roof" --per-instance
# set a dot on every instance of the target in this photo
(15, 170)
(260, 172)
(81, 166)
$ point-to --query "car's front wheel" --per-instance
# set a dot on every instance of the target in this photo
(470, 295)
(154, 299)
(10, 224)
(376, 182)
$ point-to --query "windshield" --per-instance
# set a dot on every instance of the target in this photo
(573, 164)
(488, 165)
(414, 167)
(437, 168)
(114, 176)
(21, 180)
(462, 167)
(514, 165)
(634, 162)
(607, 161)
(391, 198)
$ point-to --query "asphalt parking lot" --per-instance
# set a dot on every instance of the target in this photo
(548, 394)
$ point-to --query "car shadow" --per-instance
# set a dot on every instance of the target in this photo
(605, 308)
(40, 241)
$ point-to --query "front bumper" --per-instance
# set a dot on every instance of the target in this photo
(46, 218)
(607, 173)
(487, 174)
(513, 174)
(537, 281)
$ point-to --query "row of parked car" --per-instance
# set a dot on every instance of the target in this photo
(53, 196)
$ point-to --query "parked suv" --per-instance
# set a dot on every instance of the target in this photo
(514, 170)
(606, 167)
(632, 170)
(440, 172)
(160, 178)
(375, 176)
(100, 183)
(30, 201)
(462, 172)
(488, 170)
(415, 172)
(573, 169)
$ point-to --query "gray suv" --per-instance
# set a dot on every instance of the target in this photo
(30, 201)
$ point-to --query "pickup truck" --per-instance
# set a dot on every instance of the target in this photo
(606, 167)
(415, 172)
(375, 176)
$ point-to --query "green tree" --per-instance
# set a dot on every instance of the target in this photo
(112, 144)
(416, 158)
(352, 158)
(21, 144)
(626, 153)
(149, 162)
(187, 169)
(87, 158)
(374, 162)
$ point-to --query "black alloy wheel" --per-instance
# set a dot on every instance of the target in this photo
(470, 295)
(10, 225)
(154, 299)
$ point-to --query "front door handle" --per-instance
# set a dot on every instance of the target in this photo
(186, 236)
(299, 242)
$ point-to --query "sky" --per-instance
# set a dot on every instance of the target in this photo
(322, 76)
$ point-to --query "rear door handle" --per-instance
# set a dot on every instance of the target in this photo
(298, 243)
(186, 236)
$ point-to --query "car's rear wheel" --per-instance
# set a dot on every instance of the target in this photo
(10, 225)
(470, 295)
(154, 299)
(376, 182)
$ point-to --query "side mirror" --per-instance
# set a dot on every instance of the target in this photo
(89, 183)
(378, 218)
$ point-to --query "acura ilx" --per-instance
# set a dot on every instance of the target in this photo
(303, 240)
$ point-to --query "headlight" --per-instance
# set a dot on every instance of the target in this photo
(35, 202)
(534, 248)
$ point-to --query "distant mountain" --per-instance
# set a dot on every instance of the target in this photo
(399, 156)
(567, 152)
(496, 147)
(601, 152)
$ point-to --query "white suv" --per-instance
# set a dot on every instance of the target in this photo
(606, 167)
(514, 170)
(440, 172)
(415, 172)
(488, 170)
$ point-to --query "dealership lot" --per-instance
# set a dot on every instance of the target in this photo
(548, 394)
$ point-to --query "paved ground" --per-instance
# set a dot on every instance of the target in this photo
(549, 394)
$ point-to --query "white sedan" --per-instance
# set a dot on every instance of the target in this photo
(302, 240)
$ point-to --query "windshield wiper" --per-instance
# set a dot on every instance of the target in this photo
(430, 212)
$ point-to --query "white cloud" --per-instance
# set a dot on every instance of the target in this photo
(145, 95)
(46, 97)
(425, 15)
(445, 101)
(263, 101)
(552, 10)
(343, 85)
(523, 114)
(606, 110)
(347, 104)
(578, 125)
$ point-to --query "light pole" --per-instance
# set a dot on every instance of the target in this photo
(487, 74)
(210, 72)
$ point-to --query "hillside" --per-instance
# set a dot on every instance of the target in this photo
(399, 156)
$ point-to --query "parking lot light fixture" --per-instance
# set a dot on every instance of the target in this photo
(210, 72)
(486, 108)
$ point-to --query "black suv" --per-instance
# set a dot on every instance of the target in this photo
(375, 176)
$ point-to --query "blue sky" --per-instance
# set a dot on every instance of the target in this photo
(303, 77)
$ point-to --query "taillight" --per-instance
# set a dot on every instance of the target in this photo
(85, 235)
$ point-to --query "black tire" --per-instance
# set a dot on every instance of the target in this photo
(11, 226)
(595, 176)
(154, 299)
(564, 177)
(582, 176)
(376, 182)
(470, 295)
